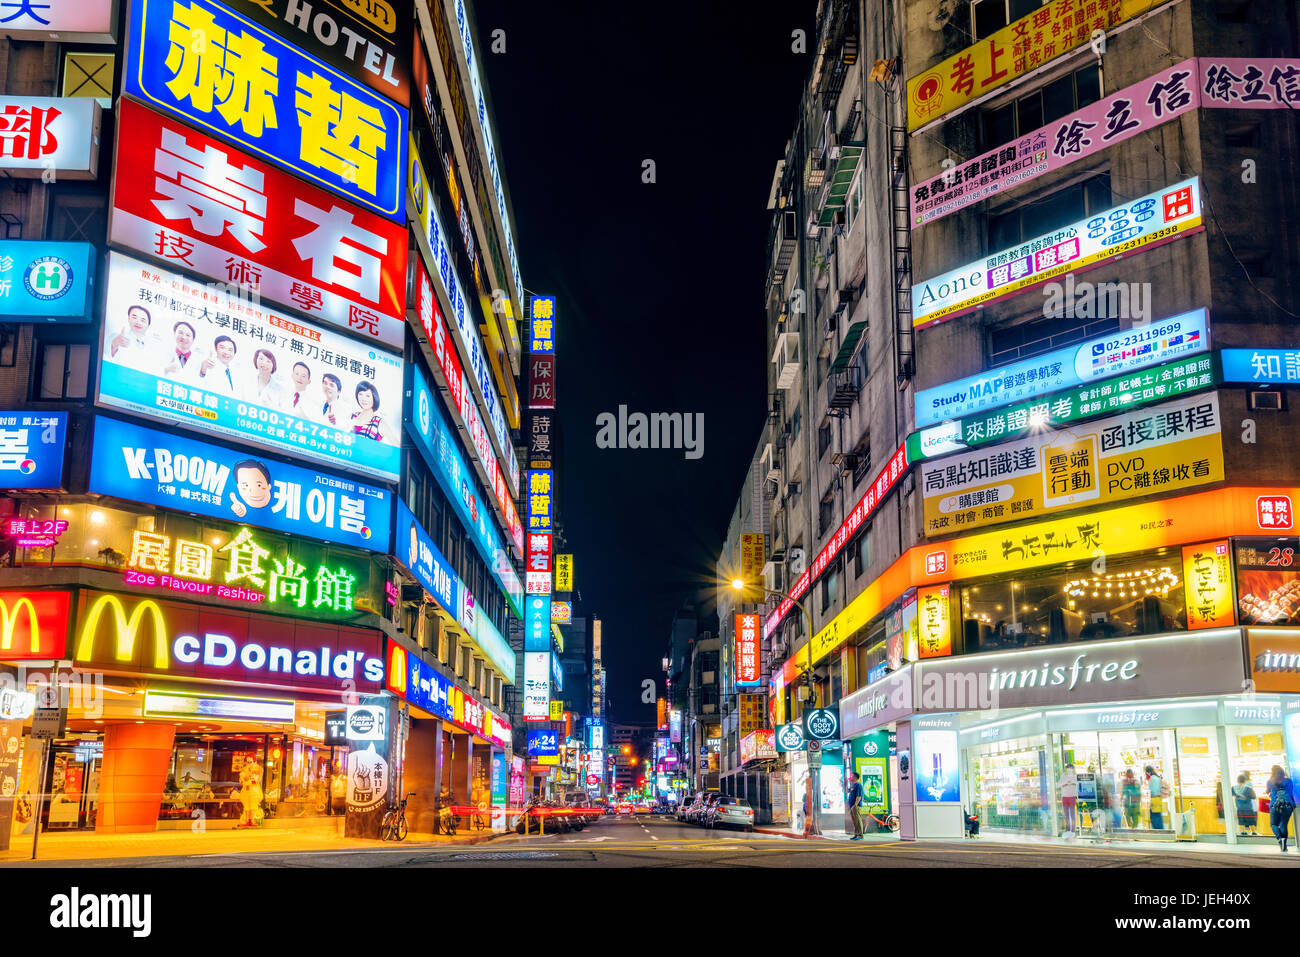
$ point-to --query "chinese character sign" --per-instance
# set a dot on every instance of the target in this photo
(753, 712)
(540, 496)
(1258, 83)
(748, 667)
(934, 631)
(537, 623)
(1172, 446)
(751, 557)
(1035, 39)
(538, 563)
(1270, 366)
(367, 41)
(415, 549)
(164, 468)
(42, 134)
(541, 382)
(201, 204)
(1207, 585)
(178, 350)
(31, 450)
(537, 685)
(1148, 221)
(219, 71)
(74, 21)
(539, 440)
(542, 324)
(46, 281)
(564, 572)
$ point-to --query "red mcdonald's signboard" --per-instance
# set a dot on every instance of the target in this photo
(33, 624)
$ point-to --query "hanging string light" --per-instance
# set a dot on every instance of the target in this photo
(1134, 584)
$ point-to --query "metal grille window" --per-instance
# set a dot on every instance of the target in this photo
(825, 513)
(990, 16)
(861, 462)
(1050, 212)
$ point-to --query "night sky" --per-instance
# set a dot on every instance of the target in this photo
(659, 286)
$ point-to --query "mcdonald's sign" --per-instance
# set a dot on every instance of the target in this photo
(33, 624)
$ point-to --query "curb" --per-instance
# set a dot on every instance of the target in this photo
(791, 834)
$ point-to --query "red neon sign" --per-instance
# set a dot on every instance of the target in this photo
(885, 480)
(747, 668)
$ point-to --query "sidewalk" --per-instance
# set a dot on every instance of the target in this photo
(1267, 849)
(326, 837)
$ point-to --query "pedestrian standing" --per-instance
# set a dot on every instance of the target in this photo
(855, 805)
(1243, 795)
(1156, 789)
(1132, 798)
(1069, 785)
(1281, 804)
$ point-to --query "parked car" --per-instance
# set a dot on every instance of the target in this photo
(699, 811)
(730, 812)
(691, 807)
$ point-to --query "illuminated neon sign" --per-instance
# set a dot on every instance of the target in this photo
(159, 561)
(36, 533)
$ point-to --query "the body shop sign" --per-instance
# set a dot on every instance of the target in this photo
(1148, 221)
(126, 633)
(198, 203)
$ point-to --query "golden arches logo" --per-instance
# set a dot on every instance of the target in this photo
(397, 668)
(127, 628)
(9, 618)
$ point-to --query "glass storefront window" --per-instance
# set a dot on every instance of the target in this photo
(1136, 597)
(1111, 770)
(1008, 781)
(1254, 750)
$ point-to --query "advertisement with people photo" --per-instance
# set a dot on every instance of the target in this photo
(206, 357)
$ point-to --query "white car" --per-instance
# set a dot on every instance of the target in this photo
(732, 812)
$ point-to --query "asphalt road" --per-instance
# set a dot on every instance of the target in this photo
(650, 841)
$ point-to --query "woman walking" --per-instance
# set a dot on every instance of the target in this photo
(1281, 805)
(1243, 795)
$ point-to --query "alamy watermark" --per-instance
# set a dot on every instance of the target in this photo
(1102, 300)
(654, 430)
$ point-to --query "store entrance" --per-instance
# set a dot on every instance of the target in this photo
(72, 782)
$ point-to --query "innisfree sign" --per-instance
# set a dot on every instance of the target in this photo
(821, 724)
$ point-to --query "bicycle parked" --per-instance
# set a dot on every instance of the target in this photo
(394, 827)
(887, 823)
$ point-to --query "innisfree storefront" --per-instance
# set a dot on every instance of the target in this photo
(1157, 729)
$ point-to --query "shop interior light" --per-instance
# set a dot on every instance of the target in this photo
(1151, 581)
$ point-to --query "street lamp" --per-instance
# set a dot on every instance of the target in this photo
(814, 774)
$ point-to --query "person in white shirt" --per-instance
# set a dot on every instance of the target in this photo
(182, 361)
(265, 390)
(295, 398)
(134, 346)
(217, 371)
(329, 412)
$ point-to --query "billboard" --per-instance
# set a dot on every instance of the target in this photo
(544, 742)
(1168, 447)
(44, 136)
(537, 623)
(1207, 585)
(176, 350)
(537, 685)
(370, 42)
(415, 549)
(201, 204)
(1148, 221)
(541, 382)
(175, 471)
(1037, 38)
(1268, 580)
(459, 398)
(179, 639)
(432, 239)
(564, 572)
(438, 446)
(74, 21)
(222, 73)
(31, 450)
(540, 491)
(1264, 366)
(1117, 394)
(758, 746)
(537, 567)
(748, 667)
(46, 281)
(1256, 83)
(541, 325)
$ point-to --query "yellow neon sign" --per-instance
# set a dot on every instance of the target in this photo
(126, 630)
(9, 619)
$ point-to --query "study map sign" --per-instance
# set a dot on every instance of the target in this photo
(222, 73)
(176, 350)
(46, 281)
(49, 137)
(1077, 365)
(1169, 447)
(1117, 394)
(140, 464)
(130, 633)
(31, 450)
(73, 21)
(1254, 83)
(436, 444)
(201, 204)
(368, 40)
(1149, 221)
